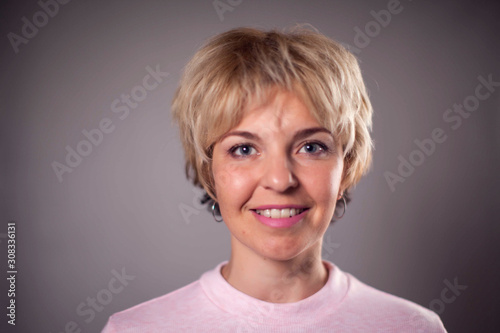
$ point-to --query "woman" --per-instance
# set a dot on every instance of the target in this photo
(276, 129)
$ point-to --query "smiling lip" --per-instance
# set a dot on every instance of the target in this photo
(281, 222)
(280, 207)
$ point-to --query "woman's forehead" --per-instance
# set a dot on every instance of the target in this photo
(285, 108)
(272, 109)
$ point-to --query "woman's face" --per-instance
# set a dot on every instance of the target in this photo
(278, 155)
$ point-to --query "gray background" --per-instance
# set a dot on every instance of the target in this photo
(121, 207)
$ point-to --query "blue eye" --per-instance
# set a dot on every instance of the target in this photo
(314, 148)
(241, 150)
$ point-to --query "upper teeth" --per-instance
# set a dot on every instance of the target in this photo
(279, 213)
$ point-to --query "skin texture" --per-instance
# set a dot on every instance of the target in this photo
(277, 265)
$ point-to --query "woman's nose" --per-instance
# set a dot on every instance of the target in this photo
(278, 173)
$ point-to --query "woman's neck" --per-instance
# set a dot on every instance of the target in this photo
(275, 281)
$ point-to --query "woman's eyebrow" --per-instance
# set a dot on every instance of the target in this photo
(304, 133)
(310, 131)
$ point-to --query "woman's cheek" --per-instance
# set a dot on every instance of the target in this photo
(231, 178)
(324, 177)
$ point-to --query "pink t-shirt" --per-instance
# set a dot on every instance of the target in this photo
(211, 304)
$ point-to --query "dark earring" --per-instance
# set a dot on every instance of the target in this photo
(215, 207)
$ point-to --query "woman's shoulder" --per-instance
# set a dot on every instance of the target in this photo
(156, 310)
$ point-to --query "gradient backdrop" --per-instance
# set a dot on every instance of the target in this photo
(126, 207)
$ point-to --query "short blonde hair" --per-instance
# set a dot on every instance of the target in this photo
(244, 66)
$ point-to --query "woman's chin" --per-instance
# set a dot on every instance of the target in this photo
(281, 249)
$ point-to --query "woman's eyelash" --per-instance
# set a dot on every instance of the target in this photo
(323, 146)
(233, 149)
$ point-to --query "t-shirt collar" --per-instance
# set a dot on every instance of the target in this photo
(323, 302)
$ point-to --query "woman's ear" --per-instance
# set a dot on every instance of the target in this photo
(342, 191)
(340, 194)
(343, 181)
